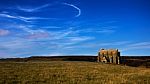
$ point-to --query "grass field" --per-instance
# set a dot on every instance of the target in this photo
(67, 72)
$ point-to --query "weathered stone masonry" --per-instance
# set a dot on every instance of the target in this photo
(109, 56)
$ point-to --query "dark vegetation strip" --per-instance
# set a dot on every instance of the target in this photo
(134, 61)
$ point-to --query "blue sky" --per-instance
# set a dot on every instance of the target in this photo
(73, 27)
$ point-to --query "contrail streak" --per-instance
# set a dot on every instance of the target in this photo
(79, 10)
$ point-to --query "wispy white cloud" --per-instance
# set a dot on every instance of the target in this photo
(4, 32)
(61, 34)
(20, 46)
(32, 18)
(106, 31)
(115, 44)
(36, 9)
(81, 38)
(98, 30)
(77, 8)
(16, 43)
(8, 16)
(65, 34)
(53, 35)
(32, 33)
(38, 35)
(28, 29)
(25, 19)
(55, 54)
(52, 27)
(13, 17)
(137, 46)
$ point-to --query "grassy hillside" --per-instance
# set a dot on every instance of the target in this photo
(65, 72)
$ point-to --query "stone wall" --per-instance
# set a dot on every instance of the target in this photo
(109, 56)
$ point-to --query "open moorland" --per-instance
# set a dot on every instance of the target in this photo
(134, 61)
(71, 72)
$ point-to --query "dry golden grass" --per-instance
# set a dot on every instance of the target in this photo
(65, 72)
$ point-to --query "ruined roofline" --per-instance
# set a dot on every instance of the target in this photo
(108, 49)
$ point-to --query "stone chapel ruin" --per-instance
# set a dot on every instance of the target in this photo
(109, 56)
